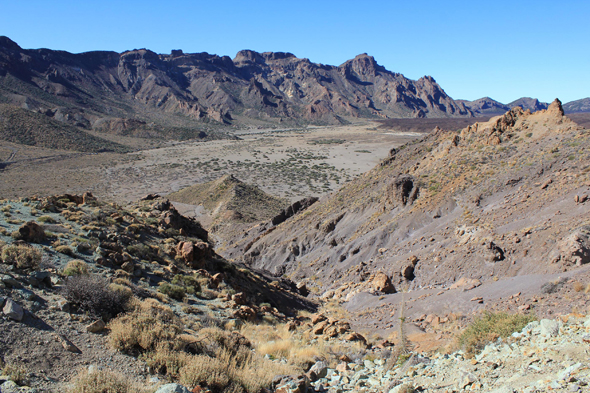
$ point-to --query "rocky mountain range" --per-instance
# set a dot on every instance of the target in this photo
(487, 106)
(131, 90)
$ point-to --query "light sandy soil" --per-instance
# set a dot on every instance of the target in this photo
(291, 163)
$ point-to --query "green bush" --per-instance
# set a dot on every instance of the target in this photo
(174, 291)
(47, 219)
(491, 326)
(76, 268)
(189, 283)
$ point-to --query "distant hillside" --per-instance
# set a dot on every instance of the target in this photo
(29, 128)
(488, 106)
(577, 106)
(485, 106)
(525, 103)
(496, 199)
(204, 91)
(228, 200)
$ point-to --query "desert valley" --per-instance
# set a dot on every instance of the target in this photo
(189, 222)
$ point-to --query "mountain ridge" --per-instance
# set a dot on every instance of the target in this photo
(207, 88)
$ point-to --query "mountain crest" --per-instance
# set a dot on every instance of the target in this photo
(155, 87)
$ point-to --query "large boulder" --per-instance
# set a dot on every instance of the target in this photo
(172, 388)
(193, 253)
(382, 283)
(187, 226)
(32, 232)
(13, 310)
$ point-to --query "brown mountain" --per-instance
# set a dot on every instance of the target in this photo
(107, 89)
(501, 198)
(578, 106)
(525, 103)
(485, 106)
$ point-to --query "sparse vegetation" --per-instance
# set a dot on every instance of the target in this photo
(16, 372)
(490, 326)
(105, 381)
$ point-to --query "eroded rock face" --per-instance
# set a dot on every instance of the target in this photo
(403, 190)
(292, 210)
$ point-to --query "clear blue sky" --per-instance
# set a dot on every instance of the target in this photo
(501, 49)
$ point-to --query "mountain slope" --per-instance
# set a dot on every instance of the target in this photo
(485, 106)
(525, 103)
(577, 106)
(494, 200)
(183, 89)
(28, 128)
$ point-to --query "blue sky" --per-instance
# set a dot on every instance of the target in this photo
(501, 49)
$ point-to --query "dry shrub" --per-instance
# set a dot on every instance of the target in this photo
(105, 381)
(229, 372)
(22, 256)
(16, 373)
(278, 342)
(76, 267)
(47, 219)
(578, 286)
(92, 294)
(489, 327)
(166, 361)
(66, 250)
(148, 325)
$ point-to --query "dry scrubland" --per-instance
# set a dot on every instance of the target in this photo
(129, 297)
(286, 163)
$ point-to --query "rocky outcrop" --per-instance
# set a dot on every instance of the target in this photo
(574, 250)
(295, 208)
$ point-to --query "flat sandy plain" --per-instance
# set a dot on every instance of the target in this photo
(290, 163)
